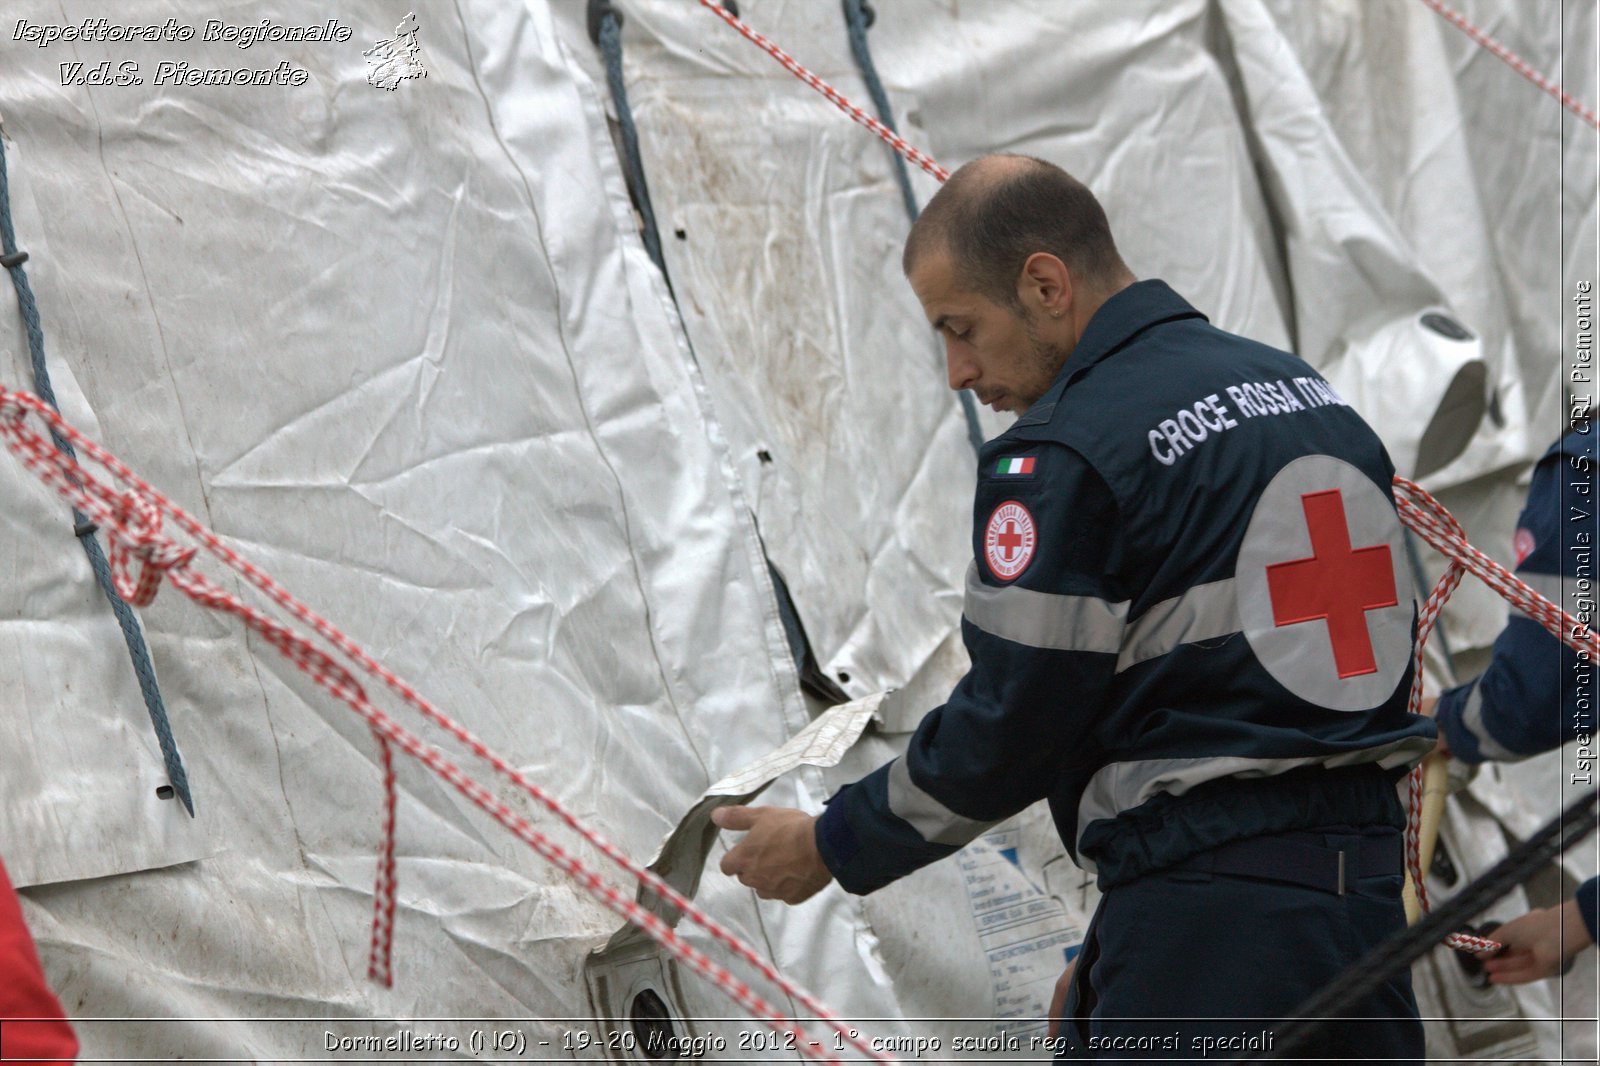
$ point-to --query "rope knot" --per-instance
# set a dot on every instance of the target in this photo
(137, 534)
(12, 409)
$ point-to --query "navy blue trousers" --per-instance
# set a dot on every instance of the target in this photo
(1193, 965)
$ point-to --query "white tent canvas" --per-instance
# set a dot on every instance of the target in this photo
(391, 330)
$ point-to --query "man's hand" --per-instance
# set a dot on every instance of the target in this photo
(1538, 944)
(778, 856)
(1429, 703)
(1058, 1000)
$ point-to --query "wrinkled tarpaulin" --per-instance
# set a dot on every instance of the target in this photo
(406, 349)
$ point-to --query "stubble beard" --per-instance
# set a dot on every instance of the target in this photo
(1045, 361)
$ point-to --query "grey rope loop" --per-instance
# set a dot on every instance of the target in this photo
(857, 17)
(143, 670)
(1398, 952)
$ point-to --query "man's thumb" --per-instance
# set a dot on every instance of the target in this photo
(737, 818)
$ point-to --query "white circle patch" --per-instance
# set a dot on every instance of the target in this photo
(1009, 540)
(1324, 593)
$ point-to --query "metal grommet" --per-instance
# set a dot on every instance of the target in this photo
(84, 528)
(1445, 326)
(651, 1021)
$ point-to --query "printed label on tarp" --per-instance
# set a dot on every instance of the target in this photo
(1026, 933)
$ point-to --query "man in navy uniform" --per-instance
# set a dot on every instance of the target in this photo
(1537, 693)
(1190, 629)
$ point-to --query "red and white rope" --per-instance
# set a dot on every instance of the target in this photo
(1426, 618)
(1477, 945)
(1514, 61)
(1425, 621)
(1438, 527)
(130, 516)
(1434, 524)
(379, 966)
(893, 139)
(927, 163)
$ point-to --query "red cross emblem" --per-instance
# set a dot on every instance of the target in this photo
(1009, 539)
(1337, 584)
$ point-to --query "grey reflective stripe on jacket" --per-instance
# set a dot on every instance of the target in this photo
(1062, 622)
(936, 823)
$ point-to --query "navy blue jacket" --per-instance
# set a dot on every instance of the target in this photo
(1536, 693)
(1188, 616)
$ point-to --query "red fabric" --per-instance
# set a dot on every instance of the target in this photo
(23, 993)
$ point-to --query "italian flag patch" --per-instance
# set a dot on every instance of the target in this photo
(1022, 465)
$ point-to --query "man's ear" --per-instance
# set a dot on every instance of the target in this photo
(1045, 285)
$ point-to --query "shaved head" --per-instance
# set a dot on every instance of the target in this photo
(998, 210)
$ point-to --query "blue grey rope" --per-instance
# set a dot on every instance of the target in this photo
(610, 41)
(855, 24)
(855, 21)
(137, 651)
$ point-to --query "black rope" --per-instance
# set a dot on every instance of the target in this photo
(1408, 945)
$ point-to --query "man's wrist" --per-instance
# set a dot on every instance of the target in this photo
(1574, 930)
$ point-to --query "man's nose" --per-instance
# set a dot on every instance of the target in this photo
(960, 369)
